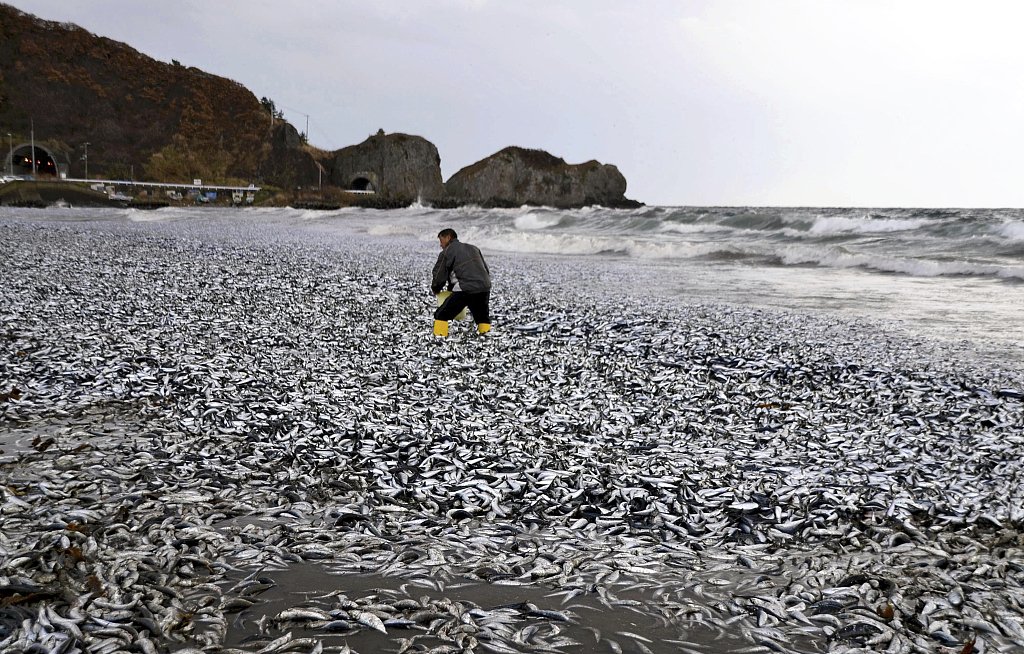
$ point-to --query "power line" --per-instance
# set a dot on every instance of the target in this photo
(301, 113)
(318, 128)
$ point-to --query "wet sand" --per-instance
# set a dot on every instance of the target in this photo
(588, 622)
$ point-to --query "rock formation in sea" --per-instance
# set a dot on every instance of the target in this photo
(397, 167)
(516, 176)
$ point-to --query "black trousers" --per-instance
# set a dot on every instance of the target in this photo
(479, 305)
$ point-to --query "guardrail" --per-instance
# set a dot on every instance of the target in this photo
(170, 185)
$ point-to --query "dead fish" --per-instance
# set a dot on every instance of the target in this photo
(369, 620)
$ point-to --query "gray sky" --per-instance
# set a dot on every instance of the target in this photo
(724, 102)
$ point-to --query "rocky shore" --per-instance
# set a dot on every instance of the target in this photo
(231, 435)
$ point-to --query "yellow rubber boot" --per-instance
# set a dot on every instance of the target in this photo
(440, 328)
(483, 328)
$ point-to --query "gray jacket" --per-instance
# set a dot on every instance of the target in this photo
(461, 267)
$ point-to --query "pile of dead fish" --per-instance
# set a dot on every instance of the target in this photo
(188, 412)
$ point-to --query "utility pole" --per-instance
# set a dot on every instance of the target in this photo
(10, 140)
(85, 157)
(32, 128)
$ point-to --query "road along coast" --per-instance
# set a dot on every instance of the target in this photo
(233, 434)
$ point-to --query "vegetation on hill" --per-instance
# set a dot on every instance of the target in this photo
(158, 120)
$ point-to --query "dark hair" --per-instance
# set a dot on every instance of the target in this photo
(447, 232)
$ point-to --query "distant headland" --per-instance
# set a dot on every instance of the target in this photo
(94, 108)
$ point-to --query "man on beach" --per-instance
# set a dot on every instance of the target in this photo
(461, 269)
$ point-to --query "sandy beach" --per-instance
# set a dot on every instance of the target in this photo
(237, 436)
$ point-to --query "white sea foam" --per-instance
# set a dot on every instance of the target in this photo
(532, 221)
(835, 258)
(305, 215)
(144, 216)
(694, 228)
(679, 249)
(546, 243)
(825, 225)
(579, 244)
(1012, 230)
(397, 229)
(164, 214)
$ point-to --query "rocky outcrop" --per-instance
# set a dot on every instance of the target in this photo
(517, 176)
(398, 167)
(290, 166)
(134, 116)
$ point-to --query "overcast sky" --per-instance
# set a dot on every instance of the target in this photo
(716, 102)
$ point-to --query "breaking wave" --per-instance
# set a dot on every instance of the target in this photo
(923, 243)
(913, 242)
(1012, 230)
(901, 265)
(848, 225)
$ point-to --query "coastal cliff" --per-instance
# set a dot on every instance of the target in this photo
(101, 109)
(136, 115)
(517, 176)
(397, 167)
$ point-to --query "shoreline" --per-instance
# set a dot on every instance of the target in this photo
(769, 476)
(969, 319)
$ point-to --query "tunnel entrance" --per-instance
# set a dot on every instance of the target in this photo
(361, 184)
(19, 161)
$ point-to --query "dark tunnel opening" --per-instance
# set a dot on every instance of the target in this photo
(361, 184)
(20, 162)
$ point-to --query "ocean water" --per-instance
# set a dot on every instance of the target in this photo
(955, 275)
